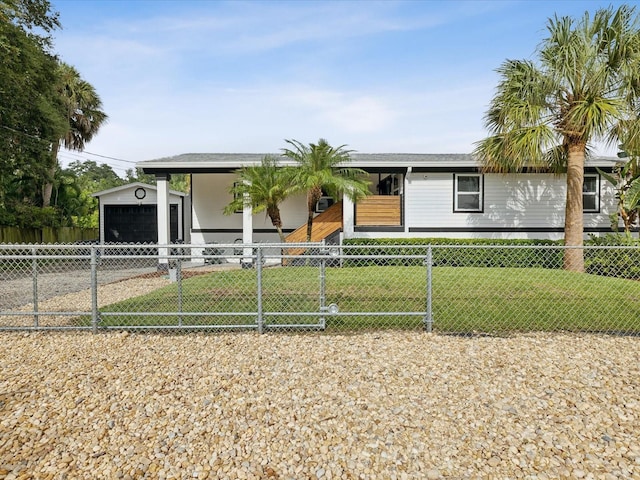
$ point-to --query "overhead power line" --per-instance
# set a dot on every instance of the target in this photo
(26, 135)
(70, 151)
(110, 158)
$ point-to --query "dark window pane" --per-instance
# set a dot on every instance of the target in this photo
(590, 184)
(589, 202)
(468, 184)
(469, 202)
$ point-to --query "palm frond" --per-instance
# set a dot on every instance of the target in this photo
(521, 97)
(632, 196)
(556, 159)
(261, 187)
(516, 150)
(83, 105)
(584, 86)
(590, 117)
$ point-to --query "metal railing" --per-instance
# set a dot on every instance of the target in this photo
(449, 289)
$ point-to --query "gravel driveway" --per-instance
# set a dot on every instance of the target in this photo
(19, 291)
(69, 291)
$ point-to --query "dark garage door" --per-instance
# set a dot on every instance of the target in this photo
(136, 223)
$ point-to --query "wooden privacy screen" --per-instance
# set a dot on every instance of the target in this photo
(379, 210)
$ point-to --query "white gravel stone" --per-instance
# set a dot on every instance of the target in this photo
(383, 405)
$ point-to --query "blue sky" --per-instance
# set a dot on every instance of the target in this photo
(208, 76)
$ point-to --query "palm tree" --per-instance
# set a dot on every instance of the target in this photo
(262, 187)
(84, 114)
(625, 179)
(584, 88)
(320, 167)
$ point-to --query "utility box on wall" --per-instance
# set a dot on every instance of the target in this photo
(129, 214)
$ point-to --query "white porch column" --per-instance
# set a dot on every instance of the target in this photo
(348, 217)
(164, 228)
(247, 229)
(405, 189)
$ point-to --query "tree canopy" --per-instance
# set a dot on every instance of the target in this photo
(262, 187)
(546, 114)
(83, 118)
(43, 103)
(31, 16)
(31, 112)
(319, 168)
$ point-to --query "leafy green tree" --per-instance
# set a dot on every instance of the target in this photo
(31, 112)
(583, 88)
(31, 15)
(180, 182)
(74, 187)
(93, 177)
(137, 175)
(67, 198)
(262, 187)
(41, 102)
(320, 167)
(84, 116)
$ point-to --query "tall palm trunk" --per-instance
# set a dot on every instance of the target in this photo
(573, 218)
(276, 220)
(47, 188)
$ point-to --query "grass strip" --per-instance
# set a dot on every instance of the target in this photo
(464, 300)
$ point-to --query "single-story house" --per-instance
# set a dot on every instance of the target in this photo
(412, 195)
(130, 214)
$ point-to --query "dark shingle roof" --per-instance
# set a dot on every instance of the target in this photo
(231, 161)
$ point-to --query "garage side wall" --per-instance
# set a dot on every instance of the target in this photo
(127, 197)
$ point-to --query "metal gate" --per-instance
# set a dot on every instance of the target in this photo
(215, 287)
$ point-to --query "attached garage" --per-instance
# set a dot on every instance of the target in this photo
(129, 214)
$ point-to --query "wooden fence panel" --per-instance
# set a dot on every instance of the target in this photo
(19, 235)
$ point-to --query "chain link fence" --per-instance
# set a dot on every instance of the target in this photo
(448, 289)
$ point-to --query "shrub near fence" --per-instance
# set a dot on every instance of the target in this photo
(607, 261)
(58, 235)
(462, 253)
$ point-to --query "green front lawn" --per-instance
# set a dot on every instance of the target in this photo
(465, 299)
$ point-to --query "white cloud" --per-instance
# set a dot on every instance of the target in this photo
(349, 111)
(259, 119)
(233, 76)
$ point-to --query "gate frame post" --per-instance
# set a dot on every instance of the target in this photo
(34, 273)
(428, 319)
(260, 319)
(179, 253)
(94, 289)
(323, 282)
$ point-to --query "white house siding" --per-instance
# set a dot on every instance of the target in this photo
(210, 193)
(515, 206)
(519, 205)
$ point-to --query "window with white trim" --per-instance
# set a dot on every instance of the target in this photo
(591, 193)
(468, 193)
